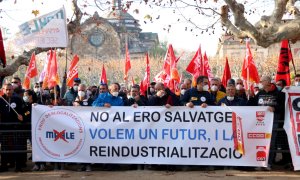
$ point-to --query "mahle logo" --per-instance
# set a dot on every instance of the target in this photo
(63, 135)
(60, 133)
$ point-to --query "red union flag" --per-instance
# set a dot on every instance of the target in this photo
(73, 71)
(146, 81)
(206, 68)
(195, 68)
(226, 73)
(238, 133)
(249, 70)
(103, 79)
(31, 72)
(170, 60)
(51, 76)
(283, 69)
(160, 77)
(127, 63)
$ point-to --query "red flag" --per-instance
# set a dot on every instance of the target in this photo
(170, 69)
(249, 66)
(127, 63)
(283, 69)
(2, 52)
(53, 79)
(103, 79)
(46, 77)
(170, 60)
(160, 77)
(206, 68)
(226, 73)
(196, 65)
(73, 71)
(31, 72)
(146, 81)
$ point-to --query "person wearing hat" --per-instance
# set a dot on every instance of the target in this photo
(71, 94)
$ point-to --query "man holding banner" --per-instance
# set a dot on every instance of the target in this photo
(199, 95)
(271, 97)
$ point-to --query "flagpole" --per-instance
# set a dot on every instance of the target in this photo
(55, 93)
(126, 49)
(248, 75)
(9, 105)
(64, 86)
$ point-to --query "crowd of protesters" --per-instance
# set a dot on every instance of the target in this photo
(16, 104)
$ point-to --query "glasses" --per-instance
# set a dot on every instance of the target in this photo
(15, 82)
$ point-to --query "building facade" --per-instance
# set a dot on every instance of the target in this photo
(105, 38)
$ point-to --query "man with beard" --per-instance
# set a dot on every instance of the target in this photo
(199, 95)
(274, 99)
(163, 97)
(71, 94)
(110, 98)
(134, 98)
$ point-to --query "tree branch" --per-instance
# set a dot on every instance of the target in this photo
(20, 60)
(227, 23)
(74, 24)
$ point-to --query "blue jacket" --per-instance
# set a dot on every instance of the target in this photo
(107, 98)
(196, 97)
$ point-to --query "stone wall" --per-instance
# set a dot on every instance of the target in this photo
(96, 39)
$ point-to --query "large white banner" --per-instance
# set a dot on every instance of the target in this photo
(292, 123)
(49, 30)
(151, 135)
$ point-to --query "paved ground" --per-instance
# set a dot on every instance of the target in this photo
(125, 174)
(147, 175)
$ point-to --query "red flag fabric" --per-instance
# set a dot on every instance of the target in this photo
(103, 79)
(160, 77)
(52, 73)
(226, 73)
(73, 71)
(206, 68)
(196, 65)
(170, 60)
(249, 65)
(127, 63)
(46, 77)
(283, 69)
(146, 81)
(2, 52)
(31, 72)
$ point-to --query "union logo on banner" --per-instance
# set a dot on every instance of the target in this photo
(52, 132)
(260, 117)
(261, 154)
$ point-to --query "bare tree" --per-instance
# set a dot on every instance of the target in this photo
(232, 15)
(270, 29)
